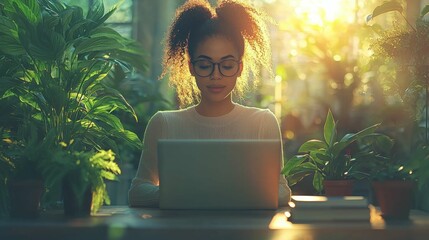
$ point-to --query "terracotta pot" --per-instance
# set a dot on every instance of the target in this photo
(25, 198)
(338, 187)
(394, 198)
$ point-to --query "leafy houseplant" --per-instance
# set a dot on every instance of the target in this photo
(409, 49)
(83, 178)
(328, 158)
(59, 61)
(393, 184)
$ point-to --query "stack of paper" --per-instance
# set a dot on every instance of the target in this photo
(320, 208)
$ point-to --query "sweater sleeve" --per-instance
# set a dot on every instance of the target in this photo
(144, 190)
(270, 129)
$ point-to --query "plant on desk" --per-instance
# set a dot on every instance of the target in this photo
(81, 175)
(393, 182)
(59, 61)
(408, 48)
(329, 160)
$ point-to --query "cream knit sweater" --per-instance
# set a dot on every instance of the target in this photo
(241, 123)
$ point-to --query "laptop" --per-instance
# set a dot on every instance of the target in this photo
(219, 173)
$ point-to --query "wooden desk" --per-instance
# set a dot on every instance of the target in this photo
(121, 222)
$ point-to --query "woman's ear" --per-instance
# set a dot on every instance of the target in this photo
(191, 68)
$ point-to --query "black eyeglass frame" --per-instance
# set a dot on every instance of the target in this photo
(218, 67)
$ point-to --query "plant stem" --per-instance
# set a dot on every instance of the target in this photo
(409, 24)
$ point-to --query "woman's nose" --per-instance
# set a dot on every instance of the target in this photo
(216, 73)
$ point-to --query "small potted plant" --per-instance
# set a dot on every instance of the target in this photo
(393, 183)
(80, 177)
(329, 160)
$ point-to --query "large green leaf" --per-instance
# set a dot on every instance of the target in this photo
(47, 46)
(9, 40)
(293, 179)
(8, 27)
(293, 162)
(350, 138)
(28, 10)
(95, 44)
(365, 132)
(380, 142)
(424, 11)
(301, 171)
(388, 6)
(329, 129)
(128, 137)
(312, 145)
(95, 11)
(315, 157)
(318, 181)
(106, 120)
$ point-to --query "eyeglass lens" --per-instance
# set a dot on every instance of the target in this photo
(227, 68)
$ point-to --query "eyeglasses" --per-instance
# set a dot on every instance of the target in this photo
(205, 68)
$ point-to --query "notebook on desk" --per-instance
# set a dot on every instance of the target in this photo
(219, 174)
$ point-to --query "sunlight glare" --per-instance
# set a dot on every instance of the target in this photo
(318, 12)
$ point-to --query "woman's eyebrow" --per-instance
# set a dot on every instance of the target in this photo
(209, 58)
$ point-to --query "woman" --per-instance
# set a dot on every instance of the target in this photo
(210, 54)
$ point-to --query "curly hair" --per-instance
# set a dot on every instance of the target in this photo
(196, 21)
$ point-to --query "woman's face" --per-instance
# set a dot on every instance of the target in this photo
(217, 81)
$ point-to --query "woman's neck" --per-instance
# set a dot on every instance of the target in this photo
(214, 109)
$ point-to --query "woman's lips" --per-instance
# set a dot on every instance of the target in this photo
(215, 88)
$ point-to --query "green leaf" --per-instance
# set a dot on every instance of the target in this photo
(293, 162)
(318, 182)
(350, 138)
(129, 138)
(107, 119)
(384, 8)
(338, 147)
(96, 11)
(295, 178)
(28, 10)
(323, 156)
(95, 44)
(329, 129)
(424, 11)
(312, 145)
(382, 143)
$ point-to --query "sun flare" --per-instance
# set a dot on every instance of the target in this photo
(318, 12)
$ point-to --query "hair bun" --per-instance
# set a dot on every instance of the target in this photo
(238, 15)
(189, 17)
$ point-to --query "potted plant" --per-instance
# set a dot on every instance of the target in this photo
(407, 47)
(6, 167)
(393, 183)
(329, 160)
(80, 176)
(61, 60)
